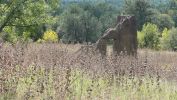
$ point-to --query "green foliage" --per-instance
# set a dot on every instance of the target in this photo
(91, 27)
(40, 41)
(26, 36)
(140, 39)
(173, 38)
(9, 35)
(83, 21)
(86, 22)
(50, 36)
(26, 16)
(162, 14)
(148, 37)
(80, 25)
(163, 21)
(165, 43)
(172, 11)
(104, 12)
(72, 25)
(169, 39)
(138, 8)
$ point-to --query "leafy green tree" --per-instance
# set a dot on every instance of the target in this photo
(108, 21)
(80, 25)
(9, 35)
(148, 37)
(103, 8)
(165, 43)
(71, 24)
(173, 38)
(91, 27)
(104, 12)
(26, 15)
(163, 21)
(173, 4)
(173, 10)
(138, 8)
(163, 7)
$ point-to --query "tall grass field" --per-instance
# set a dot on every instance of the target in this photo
(65, 72)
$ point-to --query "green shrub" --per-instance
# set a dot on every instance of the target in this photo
(164, 40)
(40, 41)
(50, 36)
(140, 39)
(148, 37)
(173, 38)
(9, 35)
(26, 36)
(169, 39)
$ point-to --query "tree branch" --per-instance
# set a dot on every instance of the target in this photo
(11, 13)
(22, 25)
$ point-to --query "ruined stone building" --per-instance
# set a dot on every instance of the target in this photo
(124, 36)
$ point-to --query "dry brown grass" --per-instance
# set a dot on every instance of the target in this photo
(61, 62)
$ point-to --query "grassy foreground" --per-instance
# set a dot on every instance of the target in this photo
(49, 72)
(41, 84)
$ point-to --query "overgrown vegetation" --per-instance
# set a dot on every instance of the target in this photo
(50, 71)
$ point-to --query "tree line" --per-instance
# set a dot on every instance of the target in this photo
(85, 21)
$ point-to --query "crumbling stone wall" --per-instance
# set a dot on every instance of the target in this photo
(124, 36)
